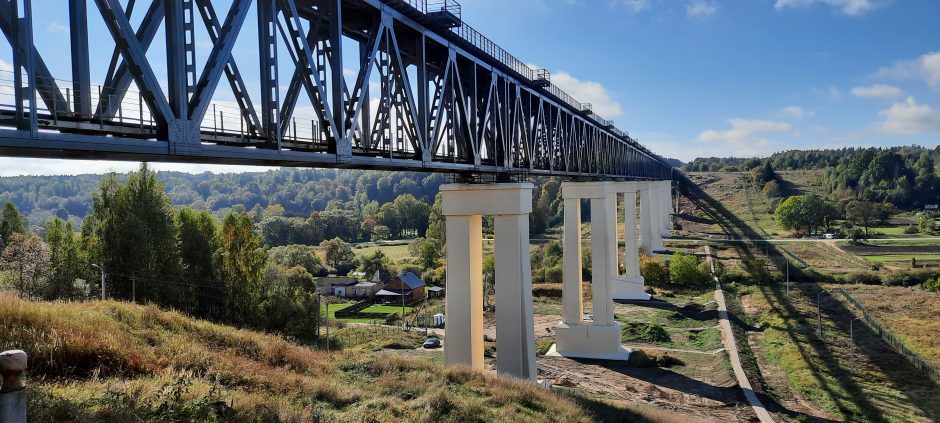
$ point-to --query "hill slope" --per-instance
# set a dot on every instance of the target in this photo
(110, 361)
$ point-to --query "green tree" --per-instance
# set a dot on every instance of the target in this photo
(66, 260)
(136, 237)
(684, 269)
(297, 255)
(377, 262)
(339, 255)
(198, 243)
(654, 271)
(241, 259)
(10, 223)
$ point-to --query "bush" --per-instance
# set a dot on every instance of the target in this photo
(546, 290)
(866, 278)
(684, 269)
(643, 332)
(933, 285)
(654, 271)
(911, 230)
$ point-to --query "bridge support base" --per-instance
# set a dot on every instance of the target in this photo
(510, 204)
(575, 336)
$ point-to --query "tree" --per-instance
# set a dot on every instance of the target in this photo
(10, 223)
(297, 255)
(66, 260)
(198, 243)
(241, 258)
(805, 212)
(684, 269)
(136, 236)
(377, 262)
(866, 213)
(28, 258)
(338, 254)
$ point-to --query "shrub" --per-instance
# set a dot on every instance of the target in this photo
(911, 230)
(933, 285)
(644, 332)
(546, 290)
(654, 271)
(866, 278)
(684, 269)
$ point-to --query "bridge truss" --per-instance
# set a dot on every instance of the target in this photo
(377, 84)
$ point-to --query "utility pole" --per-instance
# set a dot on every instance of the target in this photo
(133, 290)
(788, 277)
(101, 269)
(819, 314)
(403, 323)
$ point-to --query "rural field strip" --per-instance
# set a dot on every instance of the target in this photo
(787, 240)
(732, 348)
(645, 347)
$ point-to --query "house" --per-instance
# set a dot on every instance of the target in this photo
(335, 285)
(435, 291)
(932, 208)
(364, 289)
(407, 285)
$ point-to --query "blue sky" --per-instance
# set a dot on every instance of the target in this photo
(690, 78)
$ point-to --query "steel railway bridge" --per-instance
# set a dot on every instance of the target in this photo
(371, 84)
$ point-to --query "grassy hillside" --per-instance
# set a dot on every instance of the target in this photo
(110, 361)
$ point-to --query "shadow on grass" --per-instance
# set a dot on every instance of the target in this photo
(808, 344)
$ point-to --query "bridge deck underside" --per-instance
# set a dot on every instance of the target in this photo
(423, 95)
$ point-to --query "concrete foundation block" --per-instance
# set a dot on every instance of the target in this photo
(599, 342)
(629, 288)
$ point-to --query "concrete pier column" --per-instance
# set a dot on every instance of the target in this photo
(510, 204)
(630, 286)
(515, 339)
(651, 224)
(572, 305)
(464, 295)
(598, 338)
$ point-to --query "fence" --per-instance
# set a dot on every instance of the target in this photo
(893, 340)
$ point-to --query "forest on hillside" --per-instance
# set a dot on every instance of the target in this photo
(905, 177)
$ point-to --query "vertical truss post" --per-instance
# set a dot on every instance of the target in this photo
(365, 55)
(423, 118)
(81, 75)
(338, 86)
(267, 48)
(178, 44)
(18, 57)
(30, 62)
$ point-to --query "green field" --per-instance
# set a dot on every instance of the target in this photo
(395, 251)
(386, 309)
(901, 257)
(333, 308)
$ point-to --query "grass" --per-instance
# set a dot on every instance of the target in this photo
(901, 257)
(387, 309)
(883, 387)
(331, 309)
(911, 314)
(396, 252)
(109, 361)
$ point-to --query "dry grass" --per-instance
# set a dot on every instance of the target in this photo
(109, 361)
(910, 313)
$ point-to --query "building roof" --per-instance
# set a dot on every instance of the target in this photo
(411, 280)
(366, 284)
(435, 288)
(387, 293)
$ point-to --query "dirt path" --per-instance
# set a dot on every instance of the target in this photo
(710, 401)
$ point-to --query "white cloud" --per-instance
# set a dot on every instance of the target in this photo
(848, 7)
(878, 91)
(700, 9)
(56, 27)
(5, 66)
(631, 5)
(796, 112)
(910, 117)
(926, 67)
(589, 92)
(744, 137)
